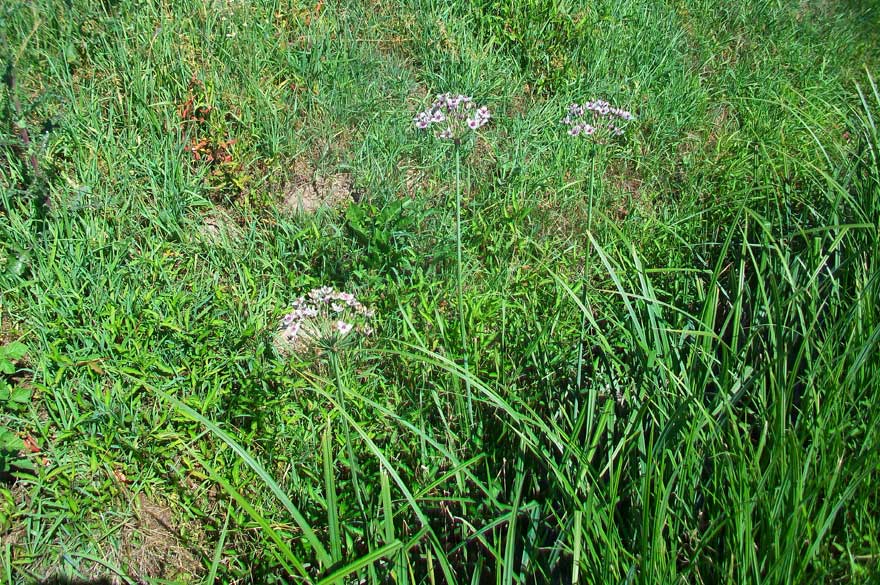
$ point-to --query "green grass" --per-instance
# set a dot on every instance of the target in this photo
(671, 341)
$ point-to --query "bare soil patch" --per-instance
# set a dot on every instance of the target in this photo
(153, 545)
(218, 226)
(307, 192)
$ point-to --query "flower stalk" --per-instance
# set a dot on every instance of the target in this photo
(456, 116)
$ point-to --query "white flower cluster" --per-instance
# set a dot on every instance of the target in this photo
(325, 315)
(457, 113)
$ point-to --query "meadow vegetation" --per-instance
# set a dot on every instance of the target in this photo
(646, 358)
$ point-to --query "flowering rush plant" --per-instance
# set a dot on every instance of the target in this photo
(454, 115)
(324, 317)
(596, 118)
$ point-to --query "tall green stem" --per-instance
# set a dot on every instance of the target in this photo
(461, 319)
(586, 272)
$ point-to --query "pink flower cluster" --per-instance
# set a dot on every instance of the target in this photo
(325, 314)
(595, 116)
(457, 113)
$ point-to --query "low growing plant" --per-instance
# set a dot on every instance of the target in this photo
(13, 399)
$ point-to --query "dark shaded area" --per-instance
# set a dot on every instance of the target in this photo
(62, 580)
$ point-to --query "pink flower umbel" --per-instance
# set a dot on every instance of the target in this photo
(455, 115)
(596, 118)
(324, 318)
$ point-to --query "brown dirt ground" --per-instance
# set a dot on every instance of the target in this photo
(307, 194)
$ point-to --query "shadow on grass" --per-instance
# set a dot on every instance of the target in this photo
(61, 580)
